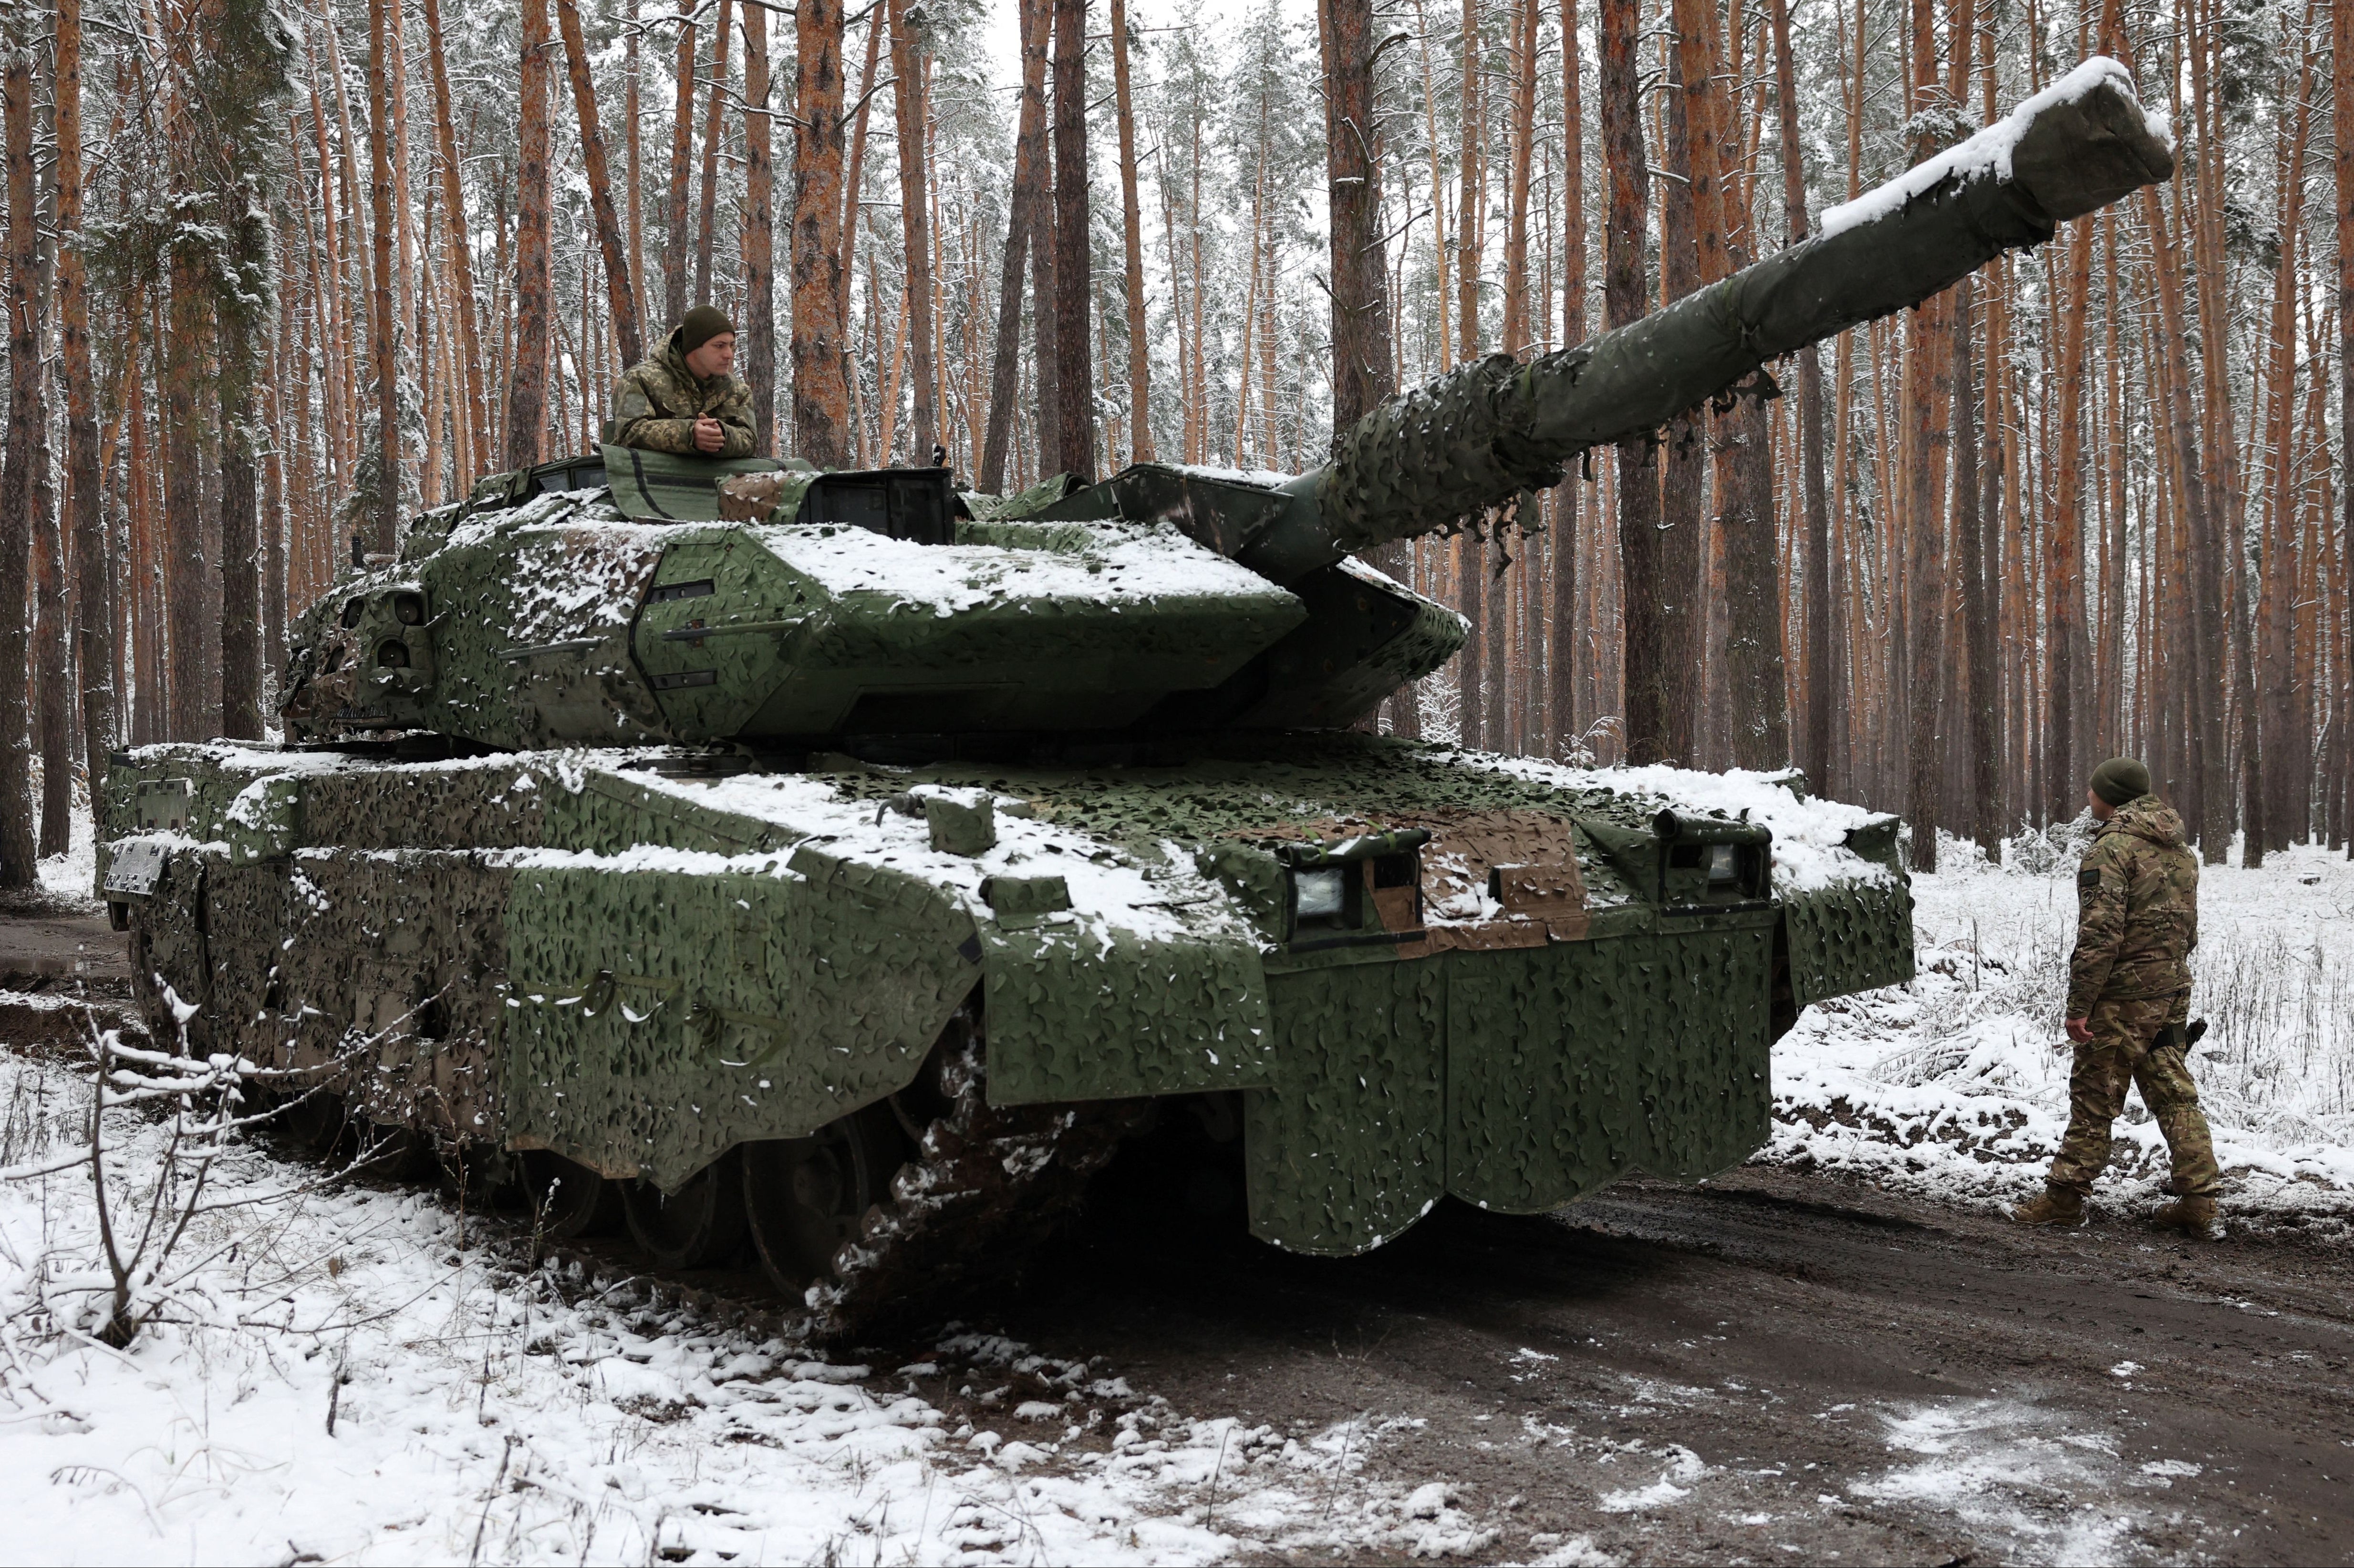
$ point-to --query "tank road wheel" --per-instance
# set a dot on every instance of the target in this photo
(568, 1199)
(695, 1227)
(804, 1197)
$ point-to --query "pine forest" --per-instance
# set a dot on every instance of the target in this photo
(282, 274)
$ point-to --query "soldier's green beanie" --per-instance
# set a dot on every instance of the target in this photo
(702, 324)
(2120, 780)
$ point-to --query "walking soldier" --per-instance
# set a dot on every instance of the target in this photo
(2129, 1004)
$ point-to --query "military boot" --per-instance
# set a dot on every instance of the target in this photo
(2194, 1217)
(2061, 1207)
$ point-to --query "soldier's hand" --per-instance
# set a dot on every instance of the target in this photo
(708, 435)
(2080, 1030)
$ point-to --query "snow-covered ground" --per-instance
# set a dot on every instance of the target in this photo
(1957, 1087)
(343, 1373)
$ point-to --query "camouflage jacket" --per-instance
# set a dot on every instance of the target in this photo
(657, 402)
(2137, 895)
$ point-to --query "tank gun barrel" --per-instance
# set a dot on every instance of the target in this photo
(1486, 432)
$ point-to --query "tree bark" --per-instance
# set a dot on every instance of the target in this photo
(1026, 229)
(632, 142)
(1814, 751)
(621, 295)
(2275, 779)
(1647, 682)
(861, 117)
(2341, 53)
(714, 130)
(1522, 149)
(916, 229)
(1753, 673)
(94, 558)
(52, 642)
(1923, 528)
(247, 255)
(820, 348)
(759, 323)
(1676, 581)
(382, 328)
(1470, 547)
(528, 376)
(1982, 817)
(19, 867)
(1074, 409)
(1569, 633)
(675, 260)
(1140, 356)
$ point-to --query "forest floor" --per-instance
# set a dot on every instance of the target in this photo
(1837, 1352)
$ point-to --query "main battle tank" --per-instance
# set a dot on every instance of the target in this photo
(841, 863)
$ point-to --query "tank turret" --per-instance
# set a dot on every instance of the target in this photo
(639, 598)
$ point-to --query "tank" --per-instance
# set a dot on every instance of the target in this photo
(841, 867)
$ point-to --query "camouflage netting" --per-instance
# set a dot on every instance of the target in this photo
(641, 965)
(1854, 936)
(1514, 1080)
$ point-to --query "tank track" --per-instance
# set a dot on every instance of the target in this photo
(988, 1185)
(985, 1186)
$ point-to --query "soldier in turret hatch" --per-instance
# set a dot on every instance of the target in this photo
(686, 399)
(2128, 1002)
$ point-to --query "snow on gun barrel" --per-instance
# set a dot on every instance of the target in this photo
(1484, 433)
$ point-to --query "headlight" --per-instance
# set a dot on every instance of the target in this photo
(1723, 863)
(1323, 891)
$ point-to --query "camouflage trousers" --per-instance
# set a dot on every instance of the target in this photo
(2120, 1055)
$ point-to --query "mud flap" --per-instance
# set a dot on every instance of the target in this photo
(1349, 1148)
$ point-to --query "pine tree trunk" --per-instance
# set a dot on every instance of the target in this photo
(1753, 673)
(675, 259)
(2341, 53)
(1684, 463)
(1140, 356)
(713, 129)
(759, 316)
(1470, 548)
(1073, 410)
(248, 254)
(1027, 230)
(383, 340)
(1981, 817)
(1569, 628)
(621, 295)
(820, 317)
(1820, 656)
(18, 865)
(1438, 215)
(94, 559)
(916, 231)
(52, 655)
(2275, 773)
(633, 155)
(1521, 152)
(528, 376)
(2215, 480)
(1647, 682)
(1927, 375)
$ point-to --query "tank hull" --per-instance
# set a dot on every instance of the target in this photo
(641, 959)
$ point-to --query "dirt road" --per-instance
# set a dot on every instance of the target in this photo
(1775, 1367)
